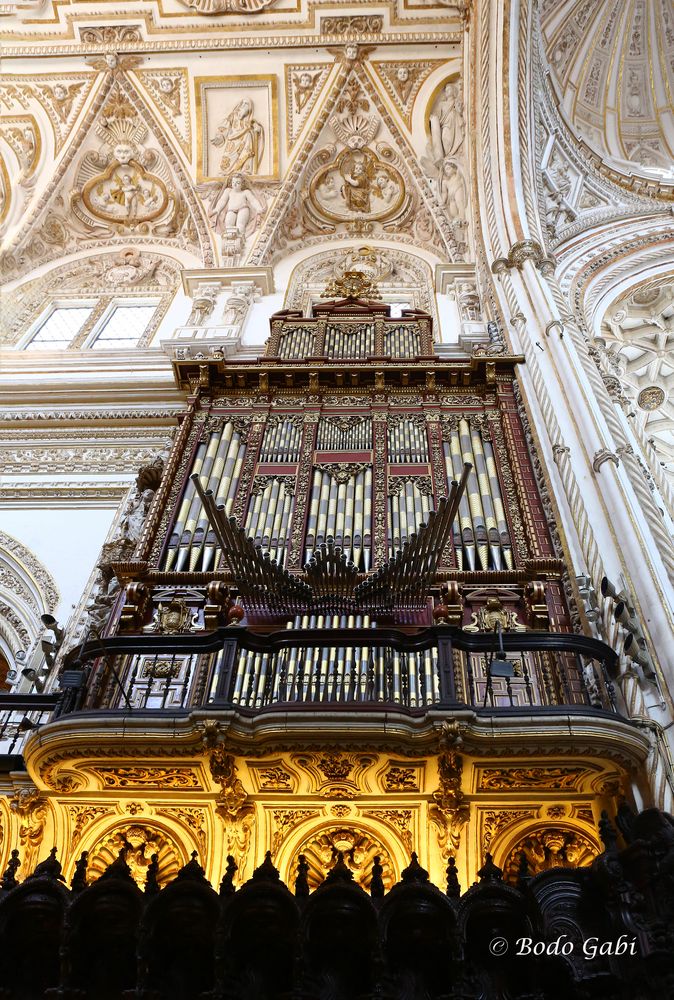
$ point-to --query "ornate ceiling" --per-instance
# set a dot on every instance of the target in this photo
(611, 63)
(137, 132)
(637, 344)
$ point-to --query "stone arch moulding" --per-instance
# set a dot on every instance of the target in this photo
(134, 269)
(395, 271)
(27, 591)
(311, 831)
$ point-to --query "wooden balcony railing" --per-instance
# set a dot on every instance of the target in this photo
(338, 668)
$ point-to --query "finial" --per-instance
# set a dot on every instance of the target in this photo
(49, 868)
(453, 885)
(377, 882)
(193, 870)
(118, 868)
(79, 880)
(302, 880)
(151, 883)
(227, 884)
(339, 871)
(9, 877)
(414, 872)
(489, 871)
(266, 872)
(523, 876)
(607, 833)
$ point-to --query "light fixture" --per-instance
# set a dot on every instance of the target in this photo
(26, 724)
(50, 623)
(498, 666)
(32, 675)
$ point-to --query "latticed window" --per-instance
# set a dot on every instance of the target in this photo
(59, 328)
(123, 327)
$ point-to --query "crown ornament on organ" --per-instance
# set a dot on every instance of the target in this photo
(352, 285)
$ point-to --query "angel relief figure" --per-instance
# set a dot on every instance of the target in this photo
(235, 207)
(241, 138)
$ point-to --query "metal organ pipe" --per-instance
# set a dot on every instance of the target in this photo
(269, 516)
(409, 508)
(217, 462)
(349, 434)
(349, 342)
(482, 540)
(281, 442)
(402, 342)
(345, 673)
(340, 510)
(297, 344)
(407, 441)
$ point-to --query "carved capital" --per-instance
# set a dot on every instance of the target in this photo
(602, 456)
(521, 252)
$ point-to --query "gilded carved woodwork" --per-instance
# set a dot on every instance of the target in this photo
(450, 810)
(123, 776)
(550, 847)
(357, 849)
(557, 778)
(141, 843)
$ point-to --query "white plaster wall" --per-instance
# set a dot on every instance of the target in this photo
(66, 541)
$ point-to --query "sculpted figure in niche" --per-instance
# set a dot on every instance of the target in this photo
(242, 140)
(452, 190)
(356, 170)
(446, 122)
(236, 206)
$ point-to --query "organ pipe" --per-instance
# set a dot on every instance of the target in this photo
(344, 673)
(407, 441)
(281, 441)
(339, 509)
(402, 342)
(344, 434)
(481, 538)
(297, 344)
(269, 516)
(217, 463)
(409, 508)
(343, 341)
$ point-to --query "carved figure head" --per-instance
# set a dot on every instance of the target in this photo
(123, 152)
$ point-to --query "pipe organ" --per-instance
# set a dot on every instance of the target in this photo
(330, 497)
(346, 567)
